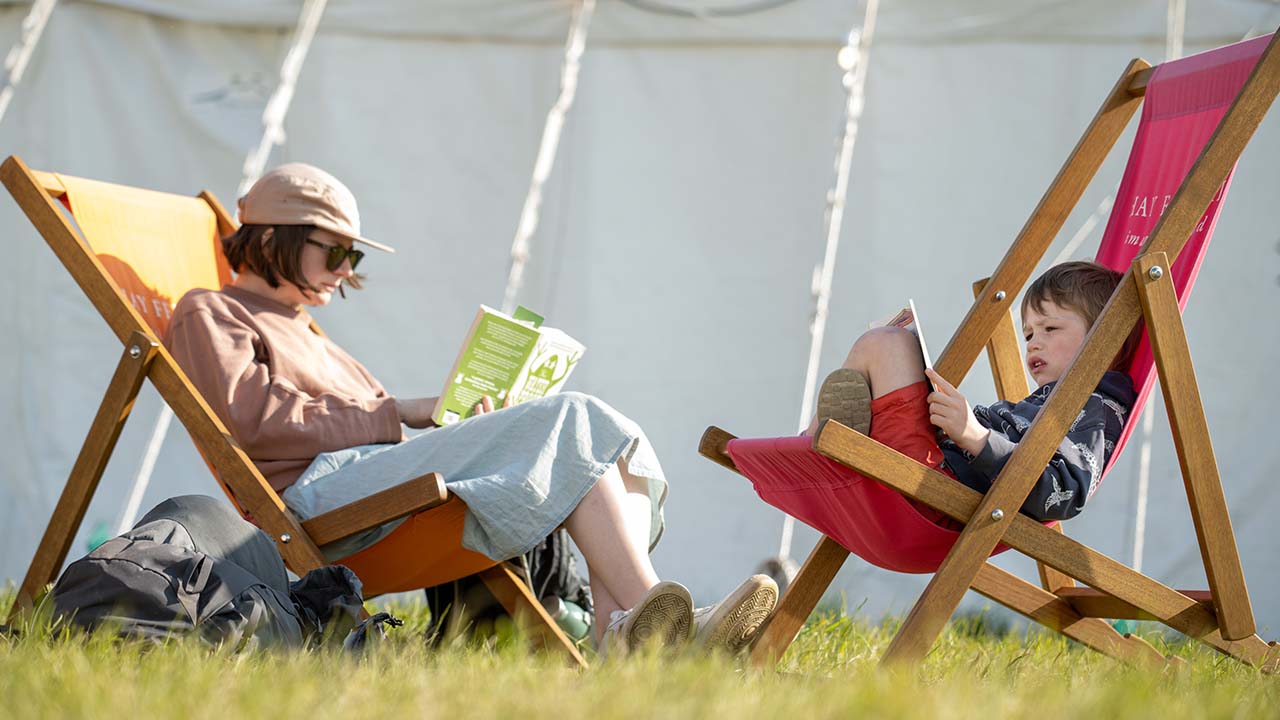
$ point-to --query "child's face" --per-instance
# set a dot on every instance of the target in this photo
(1053, 336)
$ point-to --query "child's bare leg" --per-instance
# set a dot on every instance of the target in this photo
(888, 357)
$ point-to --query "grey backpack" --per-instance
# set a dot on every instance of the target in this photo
(153, 582)
(147, 589)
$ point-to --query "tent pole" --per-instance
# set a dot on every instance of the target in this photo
(853, 59)
(278, 105)
(551, 131)
(272, 135)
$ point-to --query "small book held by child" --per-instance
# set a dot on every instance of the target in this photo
(506, 356)
(908, 319)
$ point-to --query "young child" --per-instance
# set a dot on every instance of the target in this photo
(881, 391)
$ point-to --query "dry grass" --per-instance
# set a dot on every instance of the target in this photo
(829, 672)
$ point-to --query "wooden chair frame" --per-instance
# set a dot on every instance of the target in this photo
(1221, 616)
(145, 358)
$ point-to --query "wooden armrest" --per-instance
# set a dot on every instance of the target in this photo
(714, 446)
(890, 467)
(391, 504)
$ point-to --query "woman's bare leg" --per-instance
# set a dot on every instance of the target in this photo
(616, 553)
(639, 510)
(604, 608)
(890, 359)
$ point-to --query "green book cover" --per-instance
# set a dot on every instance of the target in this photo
(504, 355)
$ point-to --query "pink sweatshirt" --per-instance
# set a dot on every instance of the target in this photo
(285, 392)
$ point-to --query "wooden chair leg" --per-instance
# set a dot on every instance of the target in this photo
(519, 602)
(798, 602)
(1058, 614)
(1179, 612)
(1050, 579)
(1007, 370)
(1194, 448)
(83, 482)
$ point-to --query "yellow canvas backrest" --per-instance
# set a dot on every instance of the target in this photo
(156, 246)
(134, 253)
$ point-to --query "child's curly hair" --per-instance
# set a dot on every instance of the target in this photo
(1084, 288)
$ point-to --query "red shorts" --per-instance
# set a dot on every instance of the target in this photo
(900, 420)
(867, 518)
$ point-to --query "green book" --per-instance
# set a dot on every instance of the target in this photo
(506, 356)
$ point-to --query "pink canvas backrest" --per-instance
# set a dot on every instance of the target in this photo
(1185, 100)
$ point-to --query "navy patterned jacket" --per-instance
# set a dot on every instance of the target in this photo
(1076, 468)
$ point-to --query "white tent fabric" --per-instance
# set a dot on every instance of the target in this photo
(15, 62)
(627, 22)
(679, 231)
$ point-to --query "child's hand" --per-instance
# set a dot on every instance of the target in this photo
(949, 410)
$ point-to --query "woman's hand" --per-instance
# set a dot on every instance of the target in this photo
(949, 410)
(486, 405)
(416, 412)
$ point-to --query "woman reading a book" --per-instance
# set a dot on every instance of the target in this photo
(324, 432)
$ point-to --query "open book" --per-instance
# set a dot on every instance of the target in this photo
(908, 319)
(505, 356)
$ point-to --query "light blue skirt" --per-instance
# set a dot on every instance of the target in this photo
(521, 471)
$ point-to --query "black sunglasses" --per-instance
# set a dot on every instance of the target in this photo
(336, 254)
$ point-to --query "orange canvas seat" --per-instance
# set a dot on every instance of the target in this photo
(134, 253)
(433, 540)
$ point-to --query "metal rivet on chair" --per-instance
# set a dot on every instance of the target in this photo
(135, 352)
(999, 296)
(997, 514)
(1155, 272)
(285, 538)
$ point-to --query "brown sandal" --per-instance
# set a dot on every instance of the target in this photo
(845, 397)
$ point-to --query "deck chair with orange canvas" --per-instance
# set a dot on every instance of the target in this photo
(1198, 115)
(134, 253)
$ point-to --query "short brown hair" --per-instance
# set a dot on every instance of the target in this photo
(275, 255)
(1084, 288)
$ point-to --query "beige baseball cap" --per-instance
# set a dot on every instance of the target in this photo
(301, 194)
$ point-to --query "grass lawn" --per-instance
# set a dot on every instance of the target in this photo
(973, 672)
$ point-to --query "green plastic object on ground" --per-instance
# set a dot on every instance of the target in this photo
(571, 617)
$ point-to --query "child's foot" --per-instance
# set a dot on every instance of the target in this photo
(845, 397)
(732, 624)
(664, 616)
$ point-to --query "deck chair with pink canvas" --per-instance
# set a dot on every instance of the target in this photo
(869, 499)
